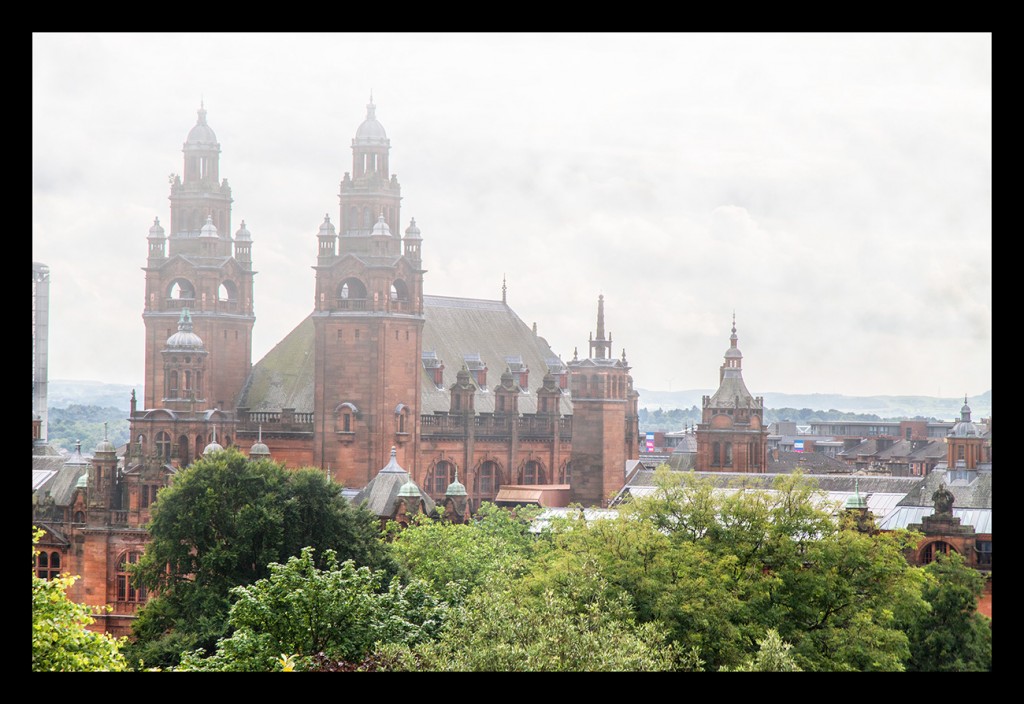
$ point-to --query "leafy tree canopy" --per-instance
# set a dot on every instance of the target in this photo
(337, 613)
(220, 525)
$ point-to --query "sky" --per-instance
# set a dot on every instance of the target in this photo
(833, 192)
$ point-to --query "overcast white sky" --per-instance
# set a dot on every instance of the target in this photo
(834, 190)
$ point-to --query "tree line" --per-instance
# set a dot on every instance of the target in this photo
(681, 418)
(258, 568)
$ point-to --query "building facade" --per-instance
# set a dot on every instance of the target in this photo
(732, 435)
(383, 386)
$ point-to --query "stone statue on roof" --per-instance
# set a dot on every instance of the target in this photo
(943, 500)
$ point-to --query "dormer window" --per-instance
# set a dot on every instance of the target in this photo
(434, 368)
(477, 369)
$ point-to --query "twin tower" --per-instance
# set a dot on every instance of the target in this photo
(376, 365)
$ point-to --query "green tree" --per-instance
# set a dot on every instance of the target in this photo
(738, 562)
(951, 636)
(464, 555)
(508, 626)
(773, 656)
(336, 613)
(222, 522)
(61, 641)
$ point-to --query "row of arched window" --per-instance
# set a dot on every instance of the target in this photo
(48, 566)
(722, 455)
(594, 386)
(163, 445)
(366, 218)
(353, 289)
(489, 477)
(184, 290)
(183, 383)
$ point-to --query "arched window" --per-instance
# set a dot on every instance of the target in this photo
(126, 591)
(227, 291)
(728, 454)
(488, 478)
(79, 517)
(350, 291)
(932, 550)
(440, 477)
(172, 385)
(188, 380)
(402, 418)
(399, 290)
(716, 454)
(48, 565)
(533, 473)
(163, 445)
(344, 417)
(566, 473)
(181, 289)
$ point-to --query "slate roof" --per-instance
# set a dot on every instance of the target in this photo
(61, 483)
(903, 516)
(807, 462)
(971, 489)
(453, 328)
(381, 494)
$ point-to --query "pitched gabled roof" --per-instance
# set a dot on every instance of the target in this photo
(381, 494)
(807, 462)
(971, 489)
(453, 328)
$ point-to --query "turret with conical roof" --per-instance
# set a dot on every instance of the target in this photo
(732, 436)
(966, 442)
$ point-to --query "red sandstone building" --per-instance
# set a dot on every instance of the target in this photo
(379, 376)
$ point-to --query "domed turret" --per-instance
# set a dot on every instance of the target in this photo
(381, 229)
(209, 229)
(259, 450)
(214, 446)
(965, 428)
(184, 339)
(371, 132)
(242, 234)
(456, 488)
(201, 135)
(105, 446)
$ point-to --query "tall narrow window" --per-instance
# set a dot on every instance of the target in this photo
(487, 478)
(163, 445)
(442, 475)
(126, 591)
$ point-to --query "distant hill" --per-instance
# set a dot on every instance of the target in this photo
(62, 393)
(946, 409)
